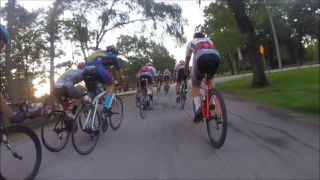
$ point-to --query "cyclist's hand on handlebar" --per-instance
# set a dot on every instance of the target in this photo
(18, 117)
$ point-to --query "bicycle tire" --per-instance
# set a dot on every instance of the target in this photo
(26, 130)
(121, 104)
(218, 144)
(137, 99)
(182, 97)
(167, 89)
(89, 106)
(64, 120)
(143, 101)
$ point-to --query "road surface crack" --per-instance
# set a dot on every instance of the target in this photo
(276, 129)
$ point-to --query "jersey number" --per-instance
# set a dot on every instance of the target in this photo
(205, 45)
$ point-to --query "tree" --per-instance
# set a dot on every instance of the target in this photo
(53, 29)
(8, 65)
(163, 15)
(245, 26)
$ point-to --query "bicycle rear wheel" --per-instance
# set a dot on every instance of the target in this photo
(13, 129)
(182, 96)
(117, 104)
(167, 89)
(94, 134)
(61, 128)
(143, 106)
(221, 118)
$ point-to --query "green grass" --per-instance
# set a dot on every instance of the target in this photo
(297, 90)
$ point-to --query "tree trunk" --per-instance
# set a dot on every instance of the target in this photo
(52, 38)
(9, 64)
(245, 26)
(237, 62)
(231, 67)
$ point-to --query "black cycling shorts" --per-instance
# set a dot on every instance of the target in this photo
(206, 64)
(179, 75)
(166, 78)
(94, 74)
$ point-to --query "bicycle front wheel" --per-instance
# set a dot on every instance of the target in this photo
(60, 128)
(14, 130)
(90, 131)
(117, 110)
(221, 120)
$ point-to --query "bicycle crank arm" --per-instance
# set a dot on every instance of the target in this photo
(13, 151)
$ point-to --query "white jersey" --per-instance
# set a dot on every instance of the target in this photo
(153, 70)
(199, 46)
(178, 66)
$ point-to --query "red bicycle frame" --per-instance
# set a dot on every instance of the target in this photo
(205, 106)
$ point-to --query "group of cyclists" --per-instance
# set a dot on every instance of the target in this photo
(94, 70)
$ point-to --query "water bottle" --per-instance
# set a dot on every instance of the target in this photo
(203, 96)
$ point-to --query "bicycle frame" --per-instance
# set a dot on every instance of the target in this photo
(95, 103)
(205, 106)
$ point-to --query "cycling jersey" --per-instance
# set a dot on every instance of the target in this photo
(159, 74)
(200, 46)
(152, 70)
(166, 73)
(206, 59)
(106, 59)
(65, 84)
(179, 66)
(73, 75)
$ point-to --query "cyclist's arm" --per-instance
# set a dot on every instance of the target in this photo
(4, 108)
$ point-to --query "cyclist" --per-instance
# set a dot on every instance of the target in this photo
(65, 86)
(159, 75)
(15, 117)
(178, 74)
(96, 66)
(145, 73)
(206, 60)
(166, 77)
(154, 76)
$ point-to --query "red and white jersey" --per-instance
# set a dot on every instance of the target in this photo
(199, 46)
(166, 73)
(178, 66)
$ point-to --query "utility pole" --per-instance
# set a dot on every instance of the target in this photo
(274, 37)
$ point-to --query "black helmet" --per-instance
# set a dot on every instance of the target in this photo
(112, 49)
(198, 35)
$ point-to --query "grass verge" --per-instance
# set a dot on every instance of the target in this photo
(297, 90)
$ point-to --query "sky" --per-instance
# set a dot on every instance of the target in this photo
(191, 11)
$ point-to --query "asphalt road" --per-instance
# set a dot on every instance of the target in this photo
(263, 142)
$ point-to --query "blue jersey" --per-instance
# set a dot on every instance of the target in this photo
(104, 58)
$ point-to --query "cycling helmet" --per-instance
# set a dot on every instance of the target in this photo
(166, 69)
(112, 49)
(198, 35)
(4, 33)
(149, 64)
(181, 61)
(80, 65)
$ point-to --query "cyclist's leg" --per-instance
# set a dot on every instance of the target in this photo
(179, 76)
(107, 79)
(74, 93)
(197, 76)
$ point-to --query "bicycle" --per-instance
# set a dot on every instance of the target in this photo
(220, 114)
(66, 121)
(183, 93)
(144, 99)
(166, 87)
(159, 85)
(102, 122)
(5, 131)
